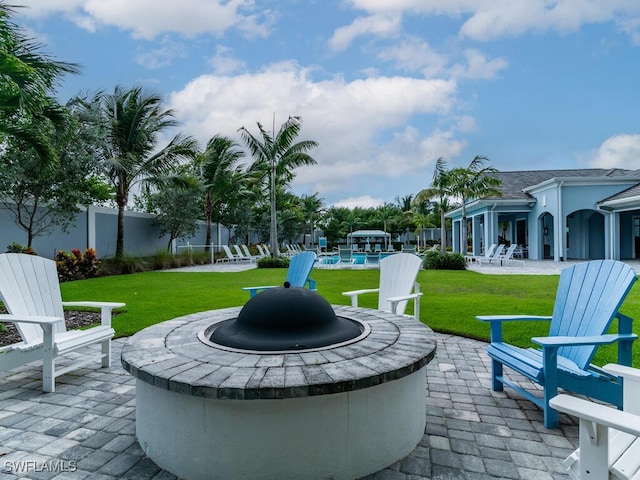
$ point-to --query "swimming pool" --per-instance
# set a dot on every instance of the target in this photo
(357, 258)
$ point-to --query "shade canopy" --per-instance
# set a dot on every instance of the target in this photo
(368, 235)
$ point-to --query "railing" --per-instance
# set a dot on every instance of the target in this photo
(212, 249)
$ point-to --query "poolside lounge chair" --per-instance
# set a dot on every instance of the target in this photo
(398, 275)
(390, 248)
(300, 267)
(30, 292)
(588, 298)
(506, 257)
(354, 247)
(344, 254)
(248, 254)
(367, 248)
(372, 258)
(229, 255)
(487, 254)
(499, 251)
(377, 248)
(609, 439)
(241, 256)
(408, 249)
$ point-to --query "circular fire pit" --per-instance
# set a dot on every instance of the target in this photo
(205, 411)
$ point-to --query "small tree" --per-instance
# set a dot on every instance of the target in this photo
(177, 211)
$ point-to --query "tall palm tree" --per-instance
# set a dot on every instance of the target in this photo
(275, 158)
(474, 182)
(28, 109)
(221, 176)
(440, 190)
(133, 121)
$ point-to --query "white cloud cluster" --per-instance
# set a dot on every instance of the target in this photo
(149, 18)
(620, 151)
(491, 19)
(350, 120)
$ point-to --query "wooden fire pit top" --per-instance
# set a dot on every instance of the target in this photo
(169, 355)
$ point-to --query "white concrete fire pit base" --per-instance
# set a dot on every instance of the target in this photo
(343, 413)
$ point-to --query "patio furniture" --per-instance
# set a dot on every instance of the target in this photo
(487, 254)
(372, 258)
(242, 256)
(398, 284)
(488, 258)
(30, 292)
(344, 254)
(229, 256)
(588, 298)
(408, 249)
(300, 267)
(609, 439)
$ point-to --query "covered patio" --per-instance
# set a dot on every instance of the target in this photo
(368, 237)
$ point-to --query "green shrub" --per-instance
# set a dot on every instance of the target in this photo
(273, 262)
(17, 248)
(444, 261)
(77, 265)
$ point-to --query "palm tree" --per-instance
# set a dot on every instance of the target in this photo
(474, 182)
(440, 190)
(311, 209)
(275, 158)
(133, 121)
(28, 109)
(221, 177)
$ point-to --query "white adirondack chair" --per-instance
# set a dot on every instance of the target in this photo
(30, 292)
(609, 438)
(398, 273)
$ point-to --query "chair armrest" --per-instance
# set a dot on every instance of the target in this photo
(38, 320)
(576, 341)
(354, 294)
(312, 284)
(105, 309)
(622, 371)
(597, 413)
(497, 320)
(395, 300)
(511, 318)
(254, 290)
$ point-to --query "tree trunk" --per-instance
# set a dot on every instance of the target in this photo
(120, 234)
(273, 231)
(443, 232)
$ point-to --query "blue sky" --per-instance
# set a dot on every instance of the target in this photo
(385, 86)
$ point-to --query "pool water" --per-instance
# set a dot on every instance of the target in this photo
(356, 258)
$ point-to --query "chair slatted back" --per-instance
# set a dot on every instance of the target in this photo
(588, 297)
(398, 273)
(300, 267)
(29, 286)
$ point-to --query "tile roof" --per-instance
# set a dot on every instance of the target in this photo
(513, 183)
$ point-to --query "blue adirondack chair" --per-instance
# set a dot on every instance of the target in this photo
(298, 273)
(587, 300)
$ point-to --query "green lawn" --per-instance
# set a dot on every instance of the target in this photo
(450, 302)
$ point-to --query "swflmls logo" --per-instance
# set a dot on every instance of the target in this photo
(30, 466)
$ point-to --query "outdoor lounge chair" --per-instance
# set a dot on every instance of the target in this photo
(344, 254)
(609, 439)
(30, 292)
(228, 255)
(588, 298)
(398, 284)
(488, 259)
(242, 256)
(300, 267)
(372, 258)
(487, 254)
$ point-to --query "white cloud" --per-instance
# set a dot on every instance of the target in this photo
(149, 18)
(224, 63)
(364, 201)
(620, 151)
(413, 55)
(491, 19)
(379, 25)
(480, 67)
(162, 56)
(364, 126)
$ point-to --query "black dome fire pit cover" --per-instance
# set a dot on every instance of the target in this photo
(285, 318)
